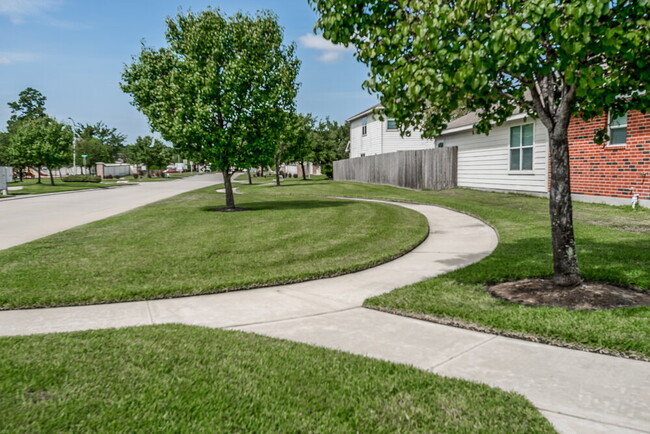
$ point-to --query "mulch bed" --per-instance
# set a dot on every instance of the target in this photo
(586, 296)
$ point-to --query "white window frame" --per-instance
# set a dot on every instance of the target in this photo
(521, 148)
(618, 127)
(388, 128)
(364, 126)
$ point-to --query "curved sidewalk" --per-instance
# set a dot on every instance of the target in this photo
(577, 391)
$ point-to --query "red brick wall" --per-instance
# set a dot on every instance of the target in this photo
(615, 171)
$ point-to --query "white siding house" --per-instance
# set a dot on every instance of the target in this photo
(370, 135)
(513, 157)
(502, 160)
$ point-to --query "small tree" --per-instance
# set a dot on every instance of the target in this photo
(549, 58)
(95, 150)
(30, 106)
(41, 142)
(108, 137)
(300, 145)
(149, 152)
(218, 78)
(329, 144)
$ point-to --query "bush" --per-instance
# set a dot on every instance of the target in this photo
(328, 170)
(81, 178)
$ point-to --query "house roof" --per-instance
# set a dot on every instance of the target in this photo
(365, 112)
(463, 123)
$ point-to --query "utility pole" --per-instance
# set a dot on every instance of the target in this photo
(74, 148)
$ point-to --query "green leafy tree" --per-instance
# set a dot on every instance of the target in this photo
(30, 105)
(95, 150)
(108, 137)
(5, 160)
(329, 144)
(149, 152)
(301, 140)
(219, 77)
(41, 142)
(552, 59)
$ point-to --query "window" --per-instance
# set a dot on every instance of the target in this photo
(364, 126)
(391, 124)
(441, 144)
(618, 130)
(521, 147)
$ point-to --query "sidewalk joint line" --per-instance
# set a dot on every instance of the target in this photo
(617, 425)
(147, 303)
(277, 321)
(462, 353)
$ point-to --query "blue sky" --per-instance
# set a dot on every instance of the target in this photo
(74, 51)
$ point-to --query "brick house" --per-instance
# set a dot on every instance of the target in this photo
(616, 169)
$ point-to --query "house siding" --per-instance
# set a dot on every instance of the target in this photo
(484, 160)
(610, 171)
(380, 140)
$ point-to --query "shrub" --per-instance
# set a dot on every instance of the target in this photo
(81, 178)
(328, 170)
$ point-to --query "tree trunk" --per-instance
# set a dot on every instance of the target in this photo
(250, 178)
(277, 170)
(20, 175)
(304, 174)
(565, 259)
(39, 175)
(230, 197)
(51, 175)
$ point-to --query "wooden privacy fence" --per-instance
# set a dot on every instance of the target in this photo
(428, 169)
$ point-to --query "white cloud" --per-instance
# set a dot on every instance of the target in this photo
(11, 58)
(331, 53)
(17, 10)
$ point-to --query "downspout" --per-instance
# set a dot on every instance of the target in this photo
(382, 137)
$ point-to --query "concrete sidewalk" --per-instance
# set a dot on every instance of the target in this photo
(26, 218)
(576, 391)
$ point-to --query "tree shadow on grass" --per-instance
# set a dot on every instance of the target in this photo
(281, 205)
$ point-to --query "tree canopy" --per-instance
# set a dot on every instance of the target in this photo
(548, 58)
(41, 142)
(110, 138)
(30, 105)
(150, 152)
(219, 78)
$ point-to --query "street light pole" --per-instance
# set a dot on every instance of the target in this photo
(74, 148)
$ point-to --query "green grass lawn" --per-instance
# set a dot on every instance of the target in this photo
(613, 246)
(181, 246)
(31, 186)
(187, 379)
(172, 177)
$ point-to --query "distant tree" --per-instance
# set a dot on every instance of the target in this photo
(552, 59)
(30, 105)
(5, 160)
(149, 152)
(95, 150)
(219, 76)
(329, 144)
(301, 141)
(108, 137)
(41, 142)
